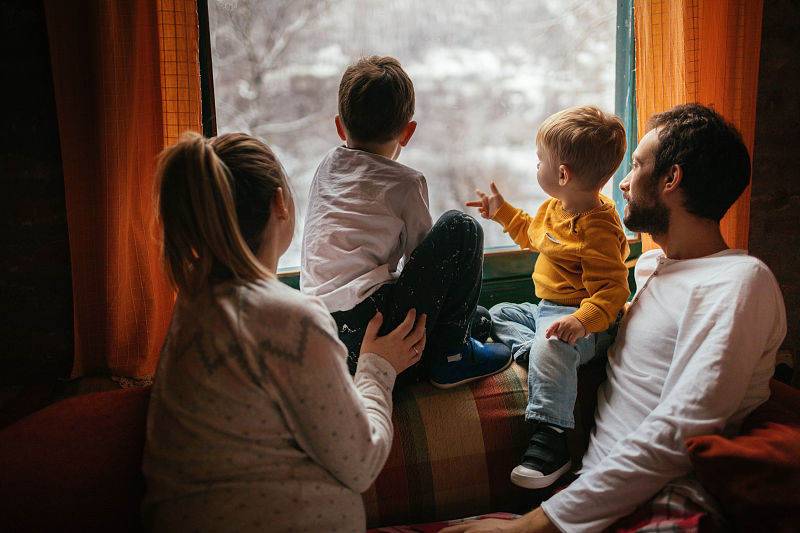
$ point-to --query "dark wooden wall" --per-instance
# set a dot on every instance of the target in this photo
(36, 336)
(775, 200)
(36, 333)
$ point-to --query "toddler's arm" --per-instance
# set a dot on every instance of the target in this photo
(515, 222)
(567, 328)
(487, 204)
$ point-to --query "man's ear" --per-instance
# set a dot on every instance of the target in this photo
(411, 127)
(340, 129)
(673, 178)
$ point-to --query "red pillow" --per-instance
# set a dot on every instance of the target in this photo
(756, 475)
(76, 465)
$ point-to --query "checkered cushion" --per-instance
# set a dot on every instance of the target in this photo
(669, 511)
(453, 451)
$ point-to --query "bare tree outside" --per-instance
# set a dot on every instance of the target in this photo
(486, 73)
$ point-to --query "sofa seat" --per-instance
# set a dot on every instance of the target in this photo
(452, 452)
(75, 466)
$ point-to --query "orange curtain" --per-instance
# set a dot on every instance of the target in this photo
(702, 51)
(180, 68)
(113, 67)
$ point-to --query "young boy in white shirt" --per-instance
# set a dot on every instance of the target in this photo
(369, 245)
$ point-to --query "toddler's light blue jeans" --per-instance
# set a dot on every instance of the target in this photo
(552, 363)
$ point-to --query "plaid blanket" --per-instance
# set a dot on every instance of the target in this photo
(452, 452)
(670, 511)
(433, 527)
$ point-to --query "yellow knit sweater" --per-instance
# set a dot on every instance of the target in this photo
(581, 257)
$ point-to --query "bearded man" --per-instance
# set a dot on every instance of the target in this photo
(696, 347)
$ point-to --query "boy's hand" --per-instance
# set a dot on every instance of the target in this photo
(567, 328)
(401, 347)
(487, 204)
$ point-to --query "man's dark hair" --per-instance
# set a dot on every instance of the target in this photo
(376, 99)
(709, 150)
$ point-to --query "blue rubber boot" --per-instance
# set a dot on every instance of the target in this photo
(475, 361)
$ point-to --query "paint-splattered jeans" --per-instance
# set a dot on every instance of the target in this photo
(442, 278)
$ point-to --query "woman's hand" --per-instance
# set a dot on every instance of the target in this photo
(401, 347)
(487, 204)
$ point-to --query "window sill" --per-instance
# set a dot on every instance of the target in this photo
(506, 274)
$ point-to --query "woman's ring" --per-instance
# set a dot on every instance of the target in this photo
(416, 352)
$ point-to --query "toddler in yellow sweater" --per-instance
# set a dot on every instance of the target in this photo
(580, 276)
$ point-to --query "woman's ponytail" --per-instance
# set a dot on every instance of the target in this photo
(196, 191)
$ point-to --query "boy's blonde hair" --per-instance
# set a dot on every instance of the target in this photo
(588, 141)
(213, 199)
(376, 99)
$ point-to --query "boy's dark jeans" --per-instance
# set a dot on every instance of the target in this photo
(442, 278)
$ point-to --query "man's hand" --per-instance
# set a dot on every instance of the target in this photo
(534, 522)
(487, 204)
(567, 328)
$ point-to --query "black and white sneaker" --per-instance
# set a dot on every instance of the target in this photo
(545, 460)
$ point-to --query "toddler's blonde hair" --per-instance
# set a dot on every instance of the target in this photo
(590, 142)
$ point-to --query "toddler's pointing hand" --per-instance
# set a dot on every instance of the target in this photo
(487, 204)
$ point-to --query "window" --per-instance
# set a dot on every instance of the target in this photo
(486, 73)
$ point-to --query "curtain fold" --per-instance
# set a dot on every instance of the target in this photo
(702, 51)
(108, 73)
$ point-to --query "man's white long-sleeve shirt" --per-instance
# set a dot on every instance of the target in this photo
(693, 356)
(365, 214)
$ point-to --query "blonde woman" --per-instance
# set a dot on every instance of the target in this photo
(254, 422)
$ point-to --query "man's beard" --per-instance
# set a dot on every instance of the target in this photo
(652, 218)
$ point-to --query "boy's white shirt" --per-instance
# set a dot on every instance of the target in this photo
(693, 356)
(366, 214)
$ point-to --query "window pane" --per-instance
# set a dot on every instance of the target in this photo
(486, 73)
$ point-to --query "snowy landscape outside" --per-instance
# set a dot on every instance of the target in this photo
(485, 72)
